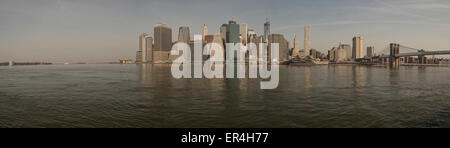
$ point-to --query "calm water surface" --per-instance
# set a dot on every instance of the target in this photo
(148, 96)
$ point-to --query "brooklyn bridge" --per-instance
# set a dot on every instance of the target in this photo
(394, 58)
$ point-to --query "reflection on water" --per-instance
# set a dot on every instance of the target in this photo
(148, 96)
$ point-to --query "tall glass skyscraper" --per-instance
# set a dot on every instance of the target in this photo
(162, 37)
(233, 33)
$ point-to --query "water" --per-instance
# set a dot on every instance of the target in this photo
(148, 96)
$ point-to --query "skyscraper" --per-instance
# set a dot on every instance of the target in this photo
(370, 51)
(342, 53)
(184, 34)
(307, 44)
(267, 28)
(347, 50)
(295, 50)
(163, 37)
(204, 31)
(283, 46)
(149, 54)
(232, 34)
(358, 48)
(138, 56)
(143, 47)
(163, 43)
(244, 34)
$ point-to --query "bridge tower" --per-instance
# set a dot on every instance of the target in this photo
(394, 61)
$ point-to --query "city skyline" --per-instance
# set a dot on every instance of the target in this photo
(73, 31)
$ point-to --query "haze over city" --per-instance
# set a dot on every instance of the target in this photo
(108, 30)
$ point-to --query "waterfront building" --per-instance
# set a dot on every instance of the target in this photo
(149, 54)
(163, 43)
(143, 47)
(295, 50)
(126, 61)
(139, 56)
(370, 51)
(332, 54)
(346, 52)
(358, 48)
(341, 53)
(283, 47)
(163, 37)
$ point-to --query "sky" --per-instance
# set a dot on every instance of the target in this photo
(108, 30)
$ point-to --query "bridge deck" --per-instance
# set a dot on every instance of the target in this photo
(417, 54)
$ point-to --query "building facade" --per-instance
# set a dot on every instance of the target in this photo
(233, 32)
(307, 44)
(217, 39)
(244, 34)
(162, 43)
(267, 28)
(283, 47)
(370, 51)
(162, 37)
(145, 46)
(184, 34)
(204, 31)
(358, 48)
(295, 50)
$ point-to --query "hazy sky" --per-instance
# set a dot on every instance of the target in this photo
(107, 30)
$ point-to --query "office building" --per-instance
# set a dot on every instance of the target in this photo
(307, 44)
(283, 47)
(162, 37)
(146, 47)
(232, 32)
(162, 43)
(370, 51)
(295, 50)
(358, 48)
(244, 34)
(266, 28)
